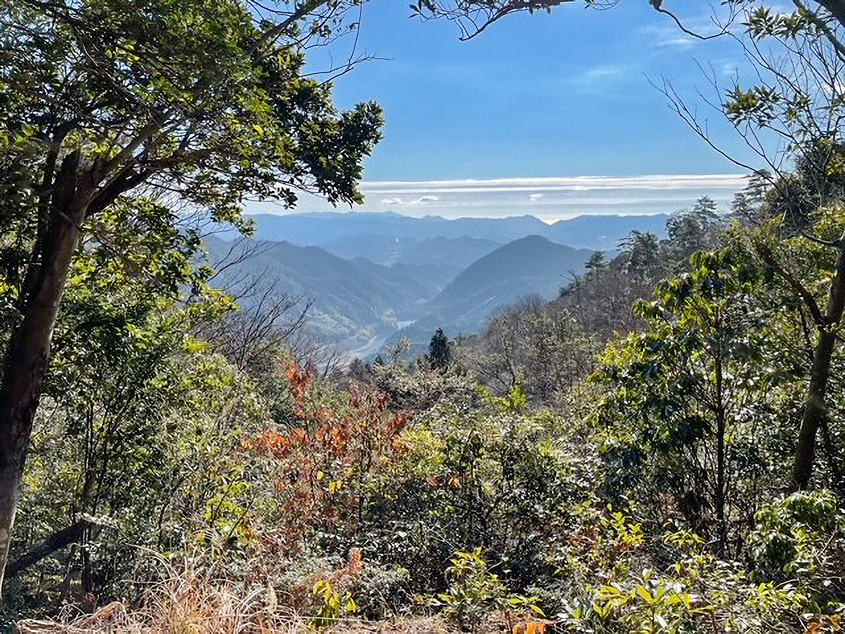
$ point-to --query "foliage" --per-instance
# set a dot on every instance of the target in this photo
(801, 537)
(687, 396)
(333, 607)
(127, 129)
(678, 586)
(535, 346)
(323, 459)
(493, 475)
(474, 592)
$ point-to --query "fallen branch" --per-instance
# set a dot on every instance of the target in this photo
(58, 540)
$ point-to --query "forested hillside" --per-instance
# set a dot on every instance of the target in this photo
(360, 305)
(349, 299)
(528, 267)
(647, 439)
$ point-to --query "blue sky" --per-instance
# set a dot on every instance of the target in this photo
(544, 96)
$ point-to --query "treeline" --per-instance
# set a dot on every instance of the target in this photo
(657, 450)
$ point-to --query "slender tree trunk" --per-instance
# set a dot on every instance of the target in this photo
(721, 461)
(815, 410)
(28, 353)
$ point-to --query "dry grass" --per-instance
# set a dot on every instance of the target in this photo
(189, 601)
(183, 606)
(114, 618)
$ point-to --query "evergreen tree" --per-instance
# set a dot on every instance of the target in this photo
(439, 352)
(596, 261)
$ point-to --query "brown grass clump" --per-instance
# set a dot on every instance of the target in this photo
(204, 623)
(186, 602)
(192, 600)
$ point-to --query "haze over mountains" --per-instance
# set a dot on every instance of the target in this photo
(596, 232)
(378, 277)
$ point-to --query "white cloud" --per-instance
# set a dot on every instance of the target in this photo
(729, 69)
(548, 198)
(677, 42)
(666, 33)
(431, 189)
(601, 77)
(602, 72)
(396, 200)
(424, 199)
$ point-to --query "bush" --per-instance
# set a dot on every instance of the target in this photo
(801, 537)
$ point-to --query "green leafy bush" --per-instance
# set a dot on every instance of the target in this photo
(475, 592)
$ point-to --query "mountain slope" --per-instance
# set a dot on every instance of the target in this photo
(353, 300)
(529, 266)
(456, 253)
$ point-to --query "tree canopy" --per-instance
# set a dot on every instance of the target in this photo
(165, 114)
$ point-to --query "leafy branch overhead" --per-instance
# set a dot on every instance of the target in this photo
(819, 16)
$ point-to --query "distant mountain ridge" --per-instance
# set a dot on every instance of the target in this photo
(353, 300)
(378, 277)
(386, 249)
(528, 266)
(603, 233)
(338, 230)
(323, 227)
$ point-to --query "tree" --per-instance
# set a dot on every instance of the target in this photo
(532, 345)
(169, 110)
(803, 105)
(600, 300)
(693, 230)
(794, 111)
(117, 380)
(798, 101)
(596, 262)
(825, 277)
(642, 251)
(694, 388)
(439, 350)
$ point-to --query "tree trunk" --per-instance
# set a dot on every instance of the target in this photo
(28, 352)
(814, 410)
(814, 402)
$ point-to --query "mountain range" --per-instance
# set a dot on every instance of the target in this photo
(596, 232)
(374, 278)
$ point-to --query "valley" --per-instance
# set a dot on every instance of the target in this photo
(372, 279)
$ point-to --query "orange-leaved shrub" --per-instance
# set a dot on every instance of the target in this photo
(322, 460)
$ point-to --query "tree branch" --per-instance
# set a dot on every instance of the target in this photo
(806, 296)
